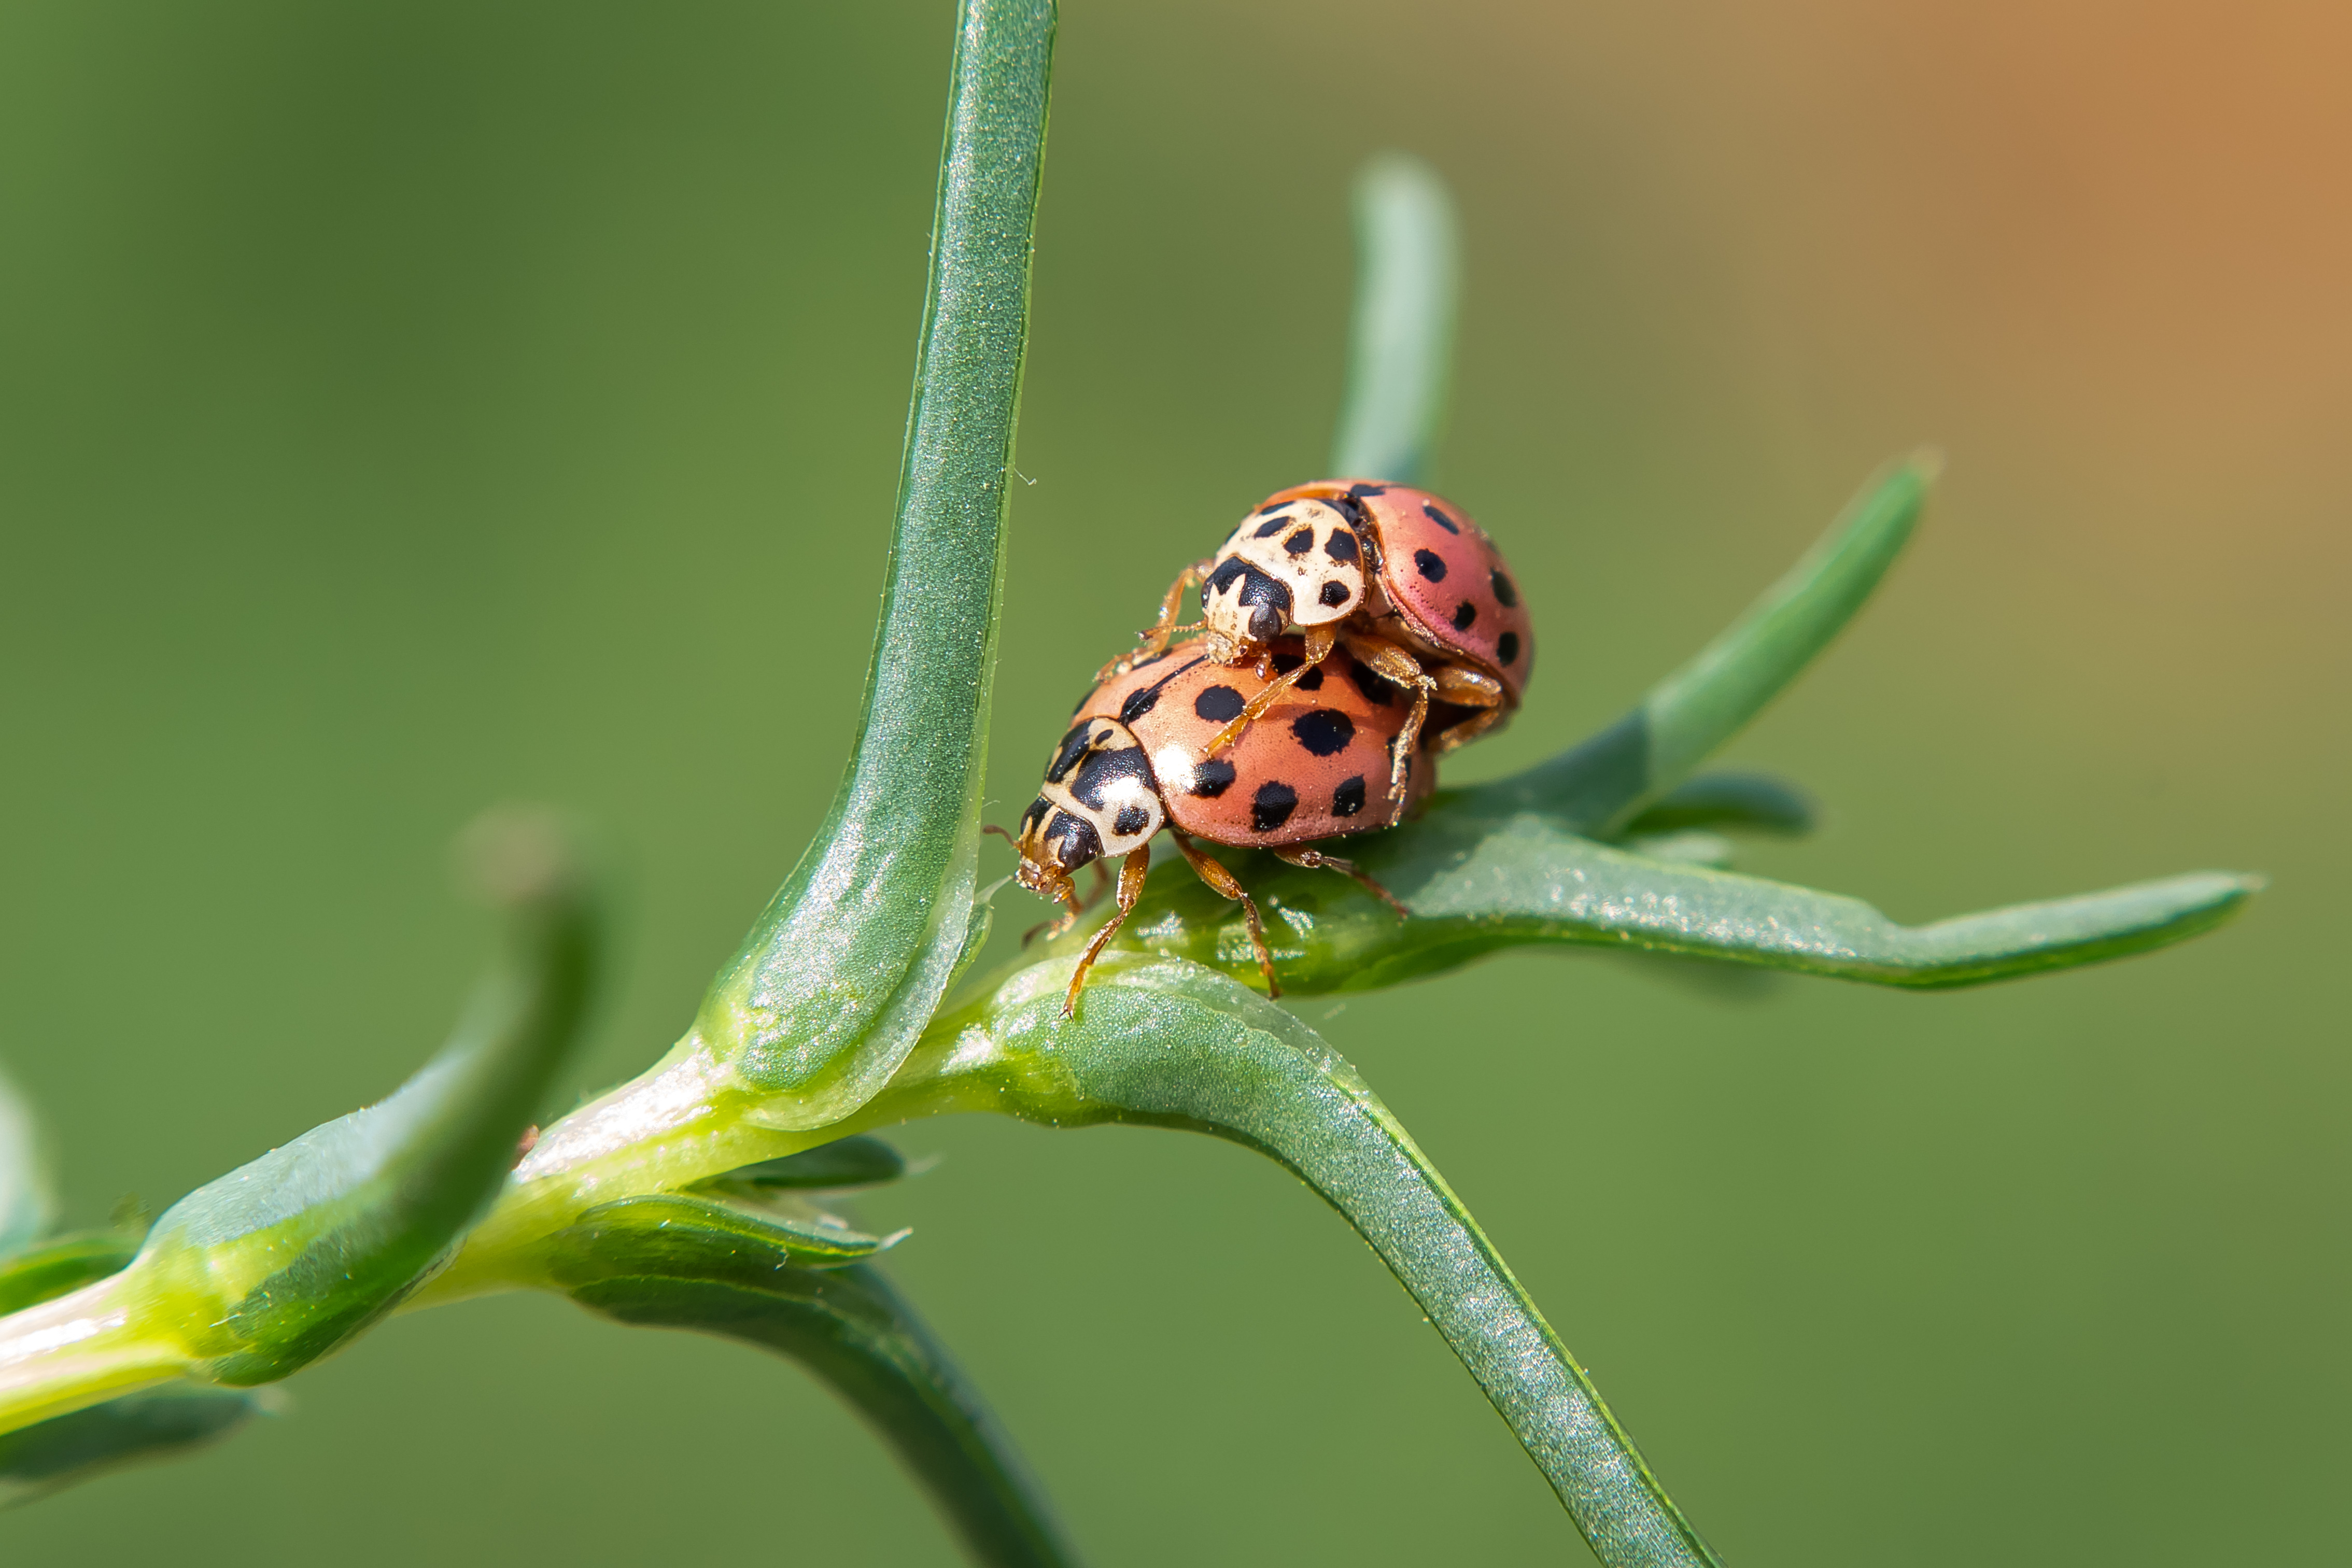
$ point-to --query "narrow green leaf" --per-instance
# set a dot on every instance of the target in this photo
(1400, 348)
(290, 1255)
(844, 1163)
(25, 1203)
(838, 978)
(1167, 1043)
(163, 1424)
(1727, 802)
(1596, 787)
(1478, 882)
(811, 1240)
(635, 1263)
(268, 1267)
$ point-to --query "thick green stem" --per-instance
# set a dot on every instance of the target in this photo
(265, 1269)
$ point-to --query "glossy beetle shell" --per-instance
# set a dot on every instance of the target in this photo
(1315, 766)
(1441, 576)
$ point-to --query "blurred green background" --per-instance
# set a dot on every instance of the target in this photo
(406, 407)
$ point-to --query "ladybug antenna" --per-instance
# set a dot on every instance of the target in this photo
(1000, 832)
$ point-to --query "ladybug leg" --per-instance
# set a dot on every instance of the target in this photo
(1155, 641)
(1131, 872)
(1316, 860)
(1471, 689)
(1060, 923)
(1319, 641)
(1224, 882)
(1391, 663)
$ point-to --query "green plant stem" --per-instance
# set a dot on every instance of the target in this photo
(1167, 1043)
(840, 974)
(1400, 344)
(263, 1271)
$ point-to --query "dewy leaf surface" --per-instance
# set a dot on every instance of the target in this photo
(1167, 1043)
(837, 980)
(1478, 882)
(637, 1264)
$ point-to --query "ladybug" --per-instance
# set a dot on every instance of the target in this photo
(1405, 580)
(1137, 759)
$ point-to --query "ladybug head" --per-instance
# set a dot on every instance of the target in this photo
(1300, 562)
(1244, 608)
(1054, 843)
(1098, 799)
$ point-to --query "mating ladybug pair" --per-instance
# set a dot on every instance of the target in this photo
(1351, 633)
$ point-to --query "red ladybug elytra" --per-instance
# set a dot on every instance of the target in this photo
(1405, 582)
(1137, 759)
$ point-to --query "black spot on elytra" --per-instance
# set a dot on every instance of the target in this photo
(1210, 779)
(1333, 594)
(1431, 564)
(1378, 690)
(1219, 704)
(1505, 591)
(1067, 755)
(1272, 807)
(1268, 529)
(1104, 769)
(1130, 821)
(1357, 492)
(1324, 732)
(1348, 797)
(1072, 841)
(1299, 543)
(1440, 518)
(1464, 615)
(1138, 702)
(1341, 546)
(1507, 647)
(1036, 813)
(1312, 681)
